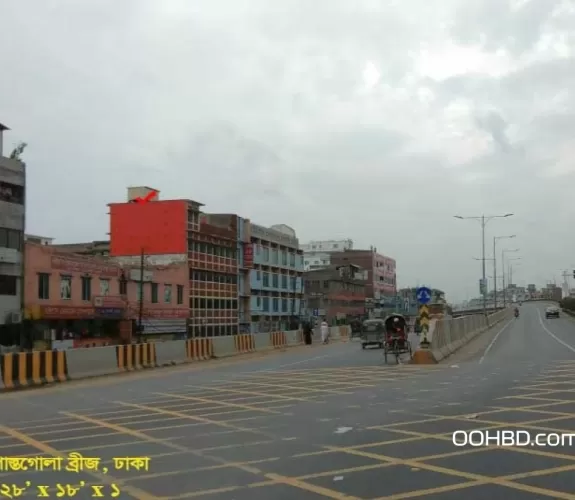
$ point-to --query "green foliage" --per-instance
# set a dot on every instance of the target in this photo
(568, 303)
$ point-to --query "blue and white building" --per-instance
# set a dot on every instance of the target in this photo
(275, 278)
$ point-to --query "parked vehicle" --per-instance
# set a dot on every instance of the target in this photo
(372, 333)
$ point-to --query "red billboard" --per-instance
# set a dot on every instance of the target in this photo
(158, 227)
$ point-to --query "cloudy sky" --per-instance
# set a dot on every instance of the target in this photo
(376, 120)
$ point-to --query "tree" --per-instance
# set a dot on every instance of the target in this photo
(18, 150)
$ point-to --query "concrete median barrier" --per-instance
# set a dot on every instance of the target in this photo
(29, 369)
(449, 335)
(21, 370)
(91, 362)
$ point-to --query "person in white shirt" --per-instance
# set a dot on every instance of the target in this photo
(324, 331)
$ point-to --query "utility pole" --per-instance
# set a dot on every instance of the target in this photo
(484, 220)
(503, 275)
(484, 281)
(495, 239)
(141, 297)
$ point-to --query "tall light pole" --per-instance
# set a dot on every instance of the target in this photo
(511, 269)
(495, 240)
(484, 220)
(503, 252)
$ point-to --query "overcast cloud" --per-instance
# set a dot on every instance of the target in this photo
(373, 120)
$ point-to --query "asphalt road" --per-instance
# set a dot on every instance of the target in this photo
(314, 422)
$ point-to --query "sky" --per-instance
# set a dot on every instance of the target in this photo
(371, 120)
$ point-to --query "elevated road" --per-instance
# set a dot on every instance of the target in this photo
(316, 422)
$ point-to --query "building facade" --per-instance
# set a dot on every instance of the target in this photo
(382, 278)
(335, 292)
(12, 226)
(176, 231)
(317, 254)
(91, 297)
(276, 285)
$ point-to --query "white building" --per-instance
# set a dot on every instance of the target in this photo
(316, 254)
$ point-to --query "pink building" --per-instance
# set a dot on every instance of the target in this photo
(94, 296)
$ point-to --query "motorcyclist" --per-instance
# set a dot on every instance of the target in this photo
(516, 312)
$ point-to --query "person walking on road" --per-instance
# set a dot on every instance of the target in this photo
(307, 332)
(324, 332)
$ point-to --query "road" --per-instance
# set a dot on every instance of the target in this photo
(316, 422)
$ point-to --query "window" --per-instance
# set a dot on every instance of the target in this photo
(284, 281)
(10, 238)
(180, 292)
(105, 287)
(66, 287)
(292, 259)
(266, 255)
(258, 275)
(284, 305)
(43, 286)
(275, 304)
(168, 294)
(258, 302)
(86, 288)
(275, 280)
(11, 193)
(266, 304)
(140, 291)
(8, 285)
(266, 279)
(154, 293)
(123, 287)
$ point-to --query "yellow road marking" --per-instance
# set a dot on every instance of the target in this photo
(247, 468)
(309, 389)
(221, 403)
(263, 394)
(103, 478)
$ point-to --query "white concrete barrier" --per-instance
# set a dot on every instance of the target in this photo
(91, 362)
(451, 334)
(171, 352)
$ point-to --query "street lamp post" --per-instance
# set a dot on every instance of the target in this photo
(503, 252)
(511, 270)
(484, 220)
(495, 240)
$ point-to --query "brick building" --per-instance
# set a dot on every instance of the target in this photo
(92, 297)
(176, 231)
(336, 291)
(381, 280)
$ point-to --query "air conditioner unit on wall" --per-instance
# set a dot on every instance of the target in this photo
(14, 317)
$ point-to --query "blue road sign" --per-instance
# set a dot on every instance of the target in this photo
(423, 295)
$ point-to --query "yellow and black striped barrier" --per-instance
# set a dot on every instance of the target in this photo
(136, 356)
(29, 369)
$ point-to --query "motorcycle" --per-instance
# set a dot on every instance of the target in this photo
(516, 313)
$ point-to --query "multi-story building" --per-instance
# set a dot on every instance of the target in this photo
(381, 270)
(335, 292)
(170, 231)
(12, 226)
(317, 254)
(89, 298)
(276, 278)
(94, 248)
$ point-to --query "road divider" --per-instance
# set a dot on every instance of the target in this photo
(31, 369)
(451, 334)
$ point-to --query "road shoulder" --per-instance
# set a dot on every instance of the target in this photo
(474, 350)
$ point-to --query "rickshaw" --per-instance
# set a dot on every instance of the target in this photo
(372, 333)
(396, 341)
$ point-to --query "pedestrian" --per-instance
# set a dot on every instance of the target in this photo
(324, 331)
(307, 332)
